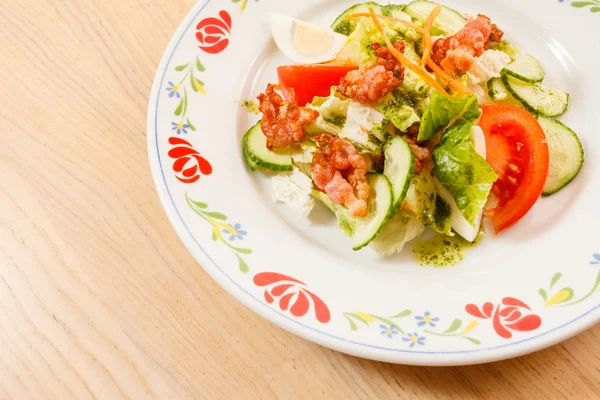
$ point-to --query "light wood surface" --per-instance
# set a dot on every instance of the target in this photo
(99, 298)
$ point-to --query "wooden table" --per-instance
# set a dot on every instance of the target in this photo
(99, 298)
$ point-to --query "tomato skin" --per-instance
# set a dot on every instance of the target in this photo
(518, 151)
(311, 80)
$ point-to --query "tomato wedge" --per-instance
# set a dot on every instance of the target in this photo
(309, 81)
(517, 150)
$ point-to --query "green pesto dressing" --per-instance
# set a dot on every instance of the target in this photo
(443, 251)
(338, 120)
(345, 27)
(251, 106)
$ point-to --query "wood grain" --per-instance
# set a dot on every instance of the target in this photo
(98, 297)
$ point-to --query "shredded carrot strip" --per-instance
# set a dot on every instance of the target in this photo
(445, 76)
(426, 43)
(406, 23)
(400, 57)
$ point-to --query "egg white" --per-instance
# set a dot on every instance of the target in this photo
(305, 43)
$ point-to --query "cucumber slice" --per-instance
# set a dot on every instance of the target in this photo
(497, 91)
(395, 10)
(448, 22)
(255, 150)
(346, 221)
(537, 97)
(525, 68)
(381, 204)
(500, 94)
(566, 154)
(399, 168)
(347, 26)
(251, 164)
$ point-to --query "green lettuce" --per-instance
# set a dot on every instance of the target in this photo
(420, 197)
(332, 114)
(359, 50)
(399, 230)
(397, 109)
(442, 220)
(442, 109)
(462, 171)
(346, 222)
(422, 200)
(412, 82)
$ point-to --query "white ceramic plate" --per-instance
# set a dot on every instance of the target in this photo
(531, 287)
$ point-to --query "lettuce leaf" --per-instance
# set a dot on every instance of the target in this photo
(346, 222)
(399, 230)
(442, 222)
(466, 175)
(358, 49)
(423, 201)
(332, 114)
(442, 109)
(397, 109)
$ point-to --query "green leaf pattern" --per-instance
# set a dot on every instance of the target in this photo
(370, 320)
(190, 72)
(219, 224)
(243, 4)
(594, 5)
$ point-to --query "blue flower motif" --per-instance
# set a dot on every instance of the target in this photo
(173, 90)
(235, 232)
(596, 259)
(414, 338)
(179, 127)
(388, 331)
(426, 319)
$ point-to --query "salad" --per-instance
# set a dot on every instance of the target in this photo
(400, 118)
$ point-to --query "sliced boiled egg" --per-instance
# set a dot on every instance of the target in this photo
(305, 43)
(458, 222)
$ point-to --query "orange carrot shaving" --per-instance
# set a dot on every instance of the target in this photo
(426, 43)
(405, 23)
(400, 57)
(446, 77)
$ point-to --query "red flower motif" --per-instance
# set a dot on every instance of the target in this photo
(289, 290)
(213, 33)
(184, 153)
(510, 314)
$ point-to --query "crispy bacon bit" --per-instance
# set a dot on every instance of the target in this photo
(340, 172)
(422, 155)
(387, 59)
(413, 130)
(283, 121)
(455, 54)
(497, 34)
(376, 79)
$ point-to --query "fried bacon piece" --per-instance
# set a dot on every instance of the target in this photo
(387, 59)
(376, 79)
(283, 121)
(339, 171)
(422, 155)
(457, 53)
(496, 35)
(413, 130)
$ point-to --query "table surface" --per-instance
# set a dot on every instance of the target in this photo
(100, 299)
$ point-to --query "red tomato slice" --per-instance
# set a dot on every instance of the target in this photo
(517, 150)
(309, 81)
